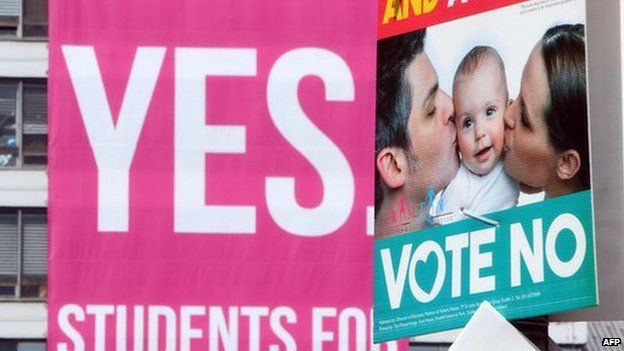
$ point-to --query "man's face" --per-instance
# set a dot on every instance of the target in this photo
(431, 131)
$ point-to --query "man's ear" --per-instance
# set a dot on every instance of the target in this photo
(391, 164)
(568, 164)
(509, 102)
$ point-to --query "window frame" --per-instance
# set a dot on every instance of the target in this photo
(19, 123)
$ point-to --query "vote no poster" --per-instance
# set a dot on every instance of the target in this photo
(210, 184)
(482, 167)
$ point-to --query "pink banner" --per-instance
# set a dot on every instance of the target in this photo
(210, 175)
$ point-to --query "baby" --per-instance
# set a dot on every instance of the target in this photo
(480, 97)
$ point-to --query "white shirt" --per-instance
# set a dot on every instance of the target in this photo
(492, 192)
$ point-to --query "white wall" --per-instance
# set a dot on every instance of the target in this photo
(23, 320)
(20, 59)
(23, 188)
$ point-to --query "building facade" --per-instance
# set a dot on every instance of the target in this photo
(23, 178)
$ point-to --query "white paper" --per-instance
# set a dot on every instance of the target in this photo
(487, 330)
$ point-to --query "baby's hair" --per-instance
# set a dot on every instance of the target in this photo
(475, 57)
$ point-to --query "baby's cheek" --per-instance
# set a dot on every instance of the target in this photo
(499, 133)
(498, 130)
(465, 145)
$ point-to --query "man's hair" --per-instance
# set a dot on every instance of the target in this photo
(394, 95)
(474, 58)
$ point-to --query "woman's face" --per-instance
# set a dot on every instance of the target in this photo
(529, 158)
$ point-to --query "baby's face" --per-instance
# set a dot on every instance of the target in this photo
(480, 102)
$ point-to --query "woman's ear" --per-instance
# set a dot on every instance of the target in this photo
(568, 164)
(391, 165)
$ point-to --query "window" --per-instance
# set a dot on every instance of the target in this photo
(24, 18)
(23, 253)
(23, 123)
(10, 11)
(35, 18)
(22, 345)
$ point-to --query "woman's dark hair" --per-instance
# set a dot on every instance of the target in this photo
(394, 95)
(563, 51)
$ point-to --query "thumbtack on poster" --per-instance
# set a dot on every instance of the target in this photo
(487, 330)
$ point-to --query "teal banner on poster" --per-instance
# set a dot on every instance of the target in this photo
(539, 260)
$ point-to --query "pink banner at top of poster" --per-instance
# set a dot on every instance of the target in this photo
(137, 258)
